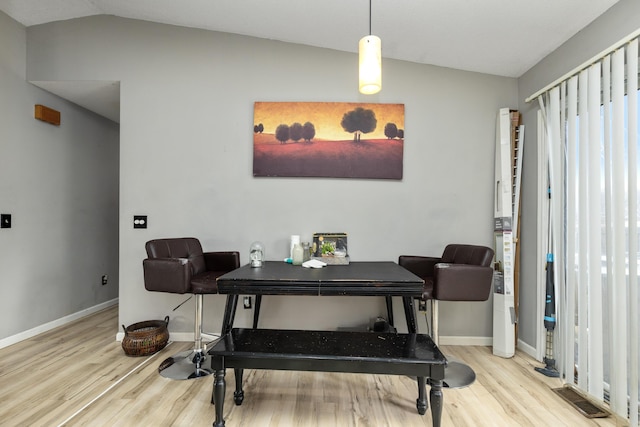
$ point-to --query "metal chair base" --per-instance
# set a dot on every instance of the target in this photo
(458, 375)
(189, 364)
(185, 365)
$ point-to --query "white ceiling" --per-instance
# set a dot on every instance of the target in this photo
(501, 37)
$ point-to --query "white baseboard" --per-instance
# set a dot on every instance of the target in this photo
(5, 342)
(179, 336)
(486, 341)
(173, 336)
(456, 340)
(479, 341)
(526, 348)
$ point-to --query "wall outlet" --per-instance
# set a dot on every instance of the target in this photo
(246, 302)
(422, 305)
(105, 279)
(139, 221)
(5, 220)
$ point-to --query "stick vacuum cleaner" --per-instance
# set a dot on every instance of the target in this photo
(549, 308)
(549, 323)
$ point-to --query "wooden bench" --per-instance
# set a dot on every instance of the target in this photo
(329, 351)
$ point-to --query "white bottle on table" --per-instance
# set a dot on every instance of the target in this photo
(297, 254)
(295, 238)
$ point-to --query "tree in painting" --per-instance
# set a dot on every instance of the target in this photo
(308, 131)
(282, 133)
(359, 121)
(295, 132)
(390, 130)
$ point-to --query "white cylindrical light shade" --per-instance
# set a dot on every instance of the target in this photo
(370, 48)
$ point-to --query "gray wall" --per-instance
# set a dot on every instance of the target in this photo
(187, 98)
(619, 21)
(60, 184)
(186, 158)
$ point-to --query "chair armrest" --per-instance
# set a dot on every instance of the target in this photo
(462, 282)
(222, 261)
(421, 266)
(167, 275)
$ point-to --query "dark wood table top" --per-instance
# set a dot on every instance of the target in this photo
(357, 278)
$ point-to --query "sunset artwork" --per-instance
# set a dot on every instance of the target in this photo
(328, 139)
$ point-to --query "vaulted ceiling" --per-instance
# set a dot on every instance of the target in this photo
(501, 37)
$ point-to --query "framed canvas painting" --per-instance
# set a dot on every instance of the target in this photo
(328, 139)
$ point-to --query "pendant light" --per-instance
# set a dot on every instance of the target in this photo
(370, 62)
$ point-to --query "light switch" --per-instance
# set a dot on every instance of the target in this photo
(5, 220)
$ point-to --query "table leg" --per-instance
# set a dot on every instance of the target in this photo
(436, 398)
(256, 311)
(238, 395)
(421, 402)
(229, 314)
(389, 309)
(218, 397)
(409, 314)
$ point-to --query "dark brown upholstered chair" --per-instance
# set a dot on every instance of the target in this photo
(462, 273)
(179, 266)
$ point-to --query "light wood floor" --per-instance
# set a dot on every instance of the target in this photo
(60, 378)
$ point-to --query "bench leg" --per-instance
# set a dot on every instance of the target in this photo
(421, 402)
(436, 402)
(238, 395)
(218, 397)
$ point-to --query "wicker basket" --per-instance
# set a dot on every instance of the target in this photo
(145, 338)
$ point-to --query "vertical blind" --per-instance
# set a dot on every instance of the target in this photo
(591, 131)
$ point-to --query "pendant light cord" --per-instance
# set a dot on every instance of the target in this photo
(369, 17)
